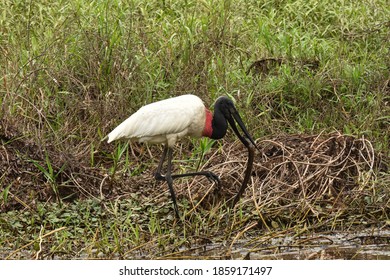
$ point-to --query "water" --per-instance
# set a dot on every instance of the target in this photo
(366, 245)
(323, 246)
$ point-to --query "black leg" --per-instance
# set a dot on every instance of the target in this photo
(208, 174)
(158, 175)
(168, 178)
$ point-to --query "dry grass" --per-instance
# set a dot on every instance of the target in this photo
(303, 177)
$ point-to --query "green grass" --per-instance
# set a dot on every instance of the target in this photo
(70, 71)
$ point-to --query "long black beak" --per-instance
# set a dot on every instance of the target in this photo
(234, 116)
(248, 141)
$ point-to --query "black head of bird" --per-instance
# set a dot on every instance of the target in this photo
(225, 111)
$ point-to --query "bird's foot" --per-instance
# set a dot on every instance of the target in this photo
(159, 177)
(212, 177)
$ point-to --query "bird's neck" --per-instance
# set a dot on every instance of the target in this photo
(215, 125)
(208, 127)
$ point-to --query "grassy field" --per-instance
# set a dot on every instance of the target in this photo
(70, 71)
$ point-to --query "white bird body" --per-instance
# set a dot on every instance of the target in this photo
(164, 122)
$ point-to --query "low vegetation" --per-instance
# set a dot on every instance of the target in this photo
(310, 79)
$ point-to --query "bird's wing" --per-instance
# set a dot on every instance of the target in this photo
(168, 116)
(162, 120)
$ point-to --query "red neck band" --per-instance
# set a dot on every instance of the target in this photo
(208, 128)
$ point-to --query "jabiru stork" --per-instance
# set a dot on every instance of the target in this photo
(167, 121)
